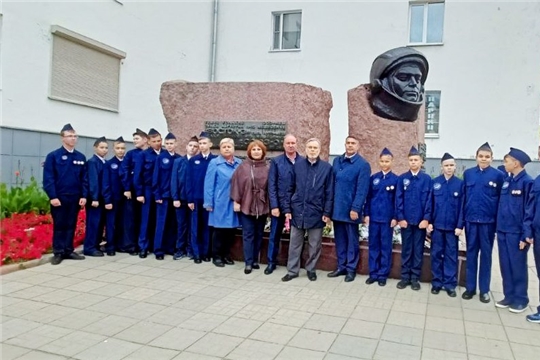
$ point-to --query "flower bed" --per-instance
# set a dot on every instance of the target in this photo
(28, 236)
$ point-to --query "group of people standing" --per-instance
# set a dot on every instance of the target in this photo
(152, 199)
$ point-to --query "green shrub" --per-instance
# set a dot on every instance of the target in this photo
(19, 199)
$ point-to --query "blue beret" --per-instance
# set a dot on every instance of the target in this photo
(170, 136)
(413, 151)
(520, 156)
(67, 127)
(446, 156)
(385, 151)
(153, 132)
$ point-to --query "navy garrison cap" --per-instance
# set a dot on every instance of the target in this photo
(153, 132)
(67, 127)
(413, 151)
(193, 138)
(520, 156)
(170, 136)
(385, 151)
(446, 156)
(204, 134)
(140, 133)
(100, 140)
(485, 146)
(119, 140)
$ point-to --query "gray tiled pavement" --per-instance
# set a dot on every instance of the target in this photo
(128, 308)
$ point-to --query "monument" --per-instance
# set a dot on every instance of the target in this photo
(389, 111)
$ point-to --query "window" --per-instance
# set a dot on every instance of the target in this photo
(84, 71)
(287, 30)
(433, 106)
(426, 20)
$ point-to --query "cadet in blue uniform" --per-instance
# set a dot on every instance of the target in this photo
(351, 185)
(446, 226)
(279, 177)
(381, 219)
(511, 239)
(132, 217)
(196, 173)
(66, 184)
(532, 232)
(179, 197)
(482, 188)
(142, 179)
(95, 206)
(115, 202)
(413, 211)
(164, 240)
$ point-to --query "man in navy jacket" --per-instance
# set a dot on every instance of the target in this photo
(308, 206)
(531, 227)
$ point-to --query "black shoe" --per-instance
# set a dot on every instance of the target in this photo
(56, 259)
(312, 275)
(75, 256)
(269, 269)
(435, 290)
(288, 277)
(134, 253)
(451, 292)
(178, 256)
(247, 270)
(190, 256)
(350, 277)
(218, 263)
(256, 266)
(382, 282)
(370, 280)
(228, 261)
(143, 254)
(337, 273)
(415, 285)
(402, 284)
(197, 261)
(111, 253)
(160, 257)
(516, 309)
(485, 298)
(468, 295)
(206, 259)
(96, 253)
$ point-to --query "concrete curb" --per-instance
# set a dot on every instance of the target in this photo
(45, 259)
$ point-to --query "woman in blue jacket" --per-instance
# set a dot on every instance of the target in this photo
(217, 201)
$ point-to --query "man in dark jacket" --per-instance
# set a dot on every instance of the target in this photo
(308, 206)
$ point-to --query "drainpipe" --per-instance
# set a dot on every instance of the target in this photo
(214, 43)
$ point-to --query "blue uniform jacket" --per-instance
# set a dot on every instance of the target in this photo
(351, 186)
(178, 179)
(144, 170)
(447, 203)
(381, 200)
(279, 178)
(128, 167)
(112, 184)
(64, 173)
(161, 179)
(413, 198)
(310, 194)
(217, 193)
(94, 167)
(482, 189)
(196, 172)
(512, 203)
(532, 213)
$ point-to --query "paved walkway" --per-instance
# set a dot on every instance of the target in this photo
(128, 308)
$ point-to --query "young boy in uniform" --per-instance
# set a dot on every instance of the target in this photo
(532, 232)
(413, 212)
(511, 239)
(95, 207)
(446, 226)
(115, 202)
(381, 219)
(66, 184)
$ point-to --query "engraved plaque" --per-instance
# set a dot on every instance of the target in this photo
(243, 132)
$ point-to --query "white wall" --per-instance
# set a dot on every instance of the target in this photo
(163, 41)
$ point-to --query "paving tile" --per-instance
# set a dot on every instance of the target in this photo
(138, 294)
(195, 303)
(112, 306)
(290, 317)
(353, 346)
(79, 320)
(523, 336)
(73, 343)
(21, 307)
(370, 314)
(313, 340)
(490, 348)
(253, 349)
(39, 355)
(39, 278)
(31, 292)
(110, 325)
(238, 327)
(86, 286)
(516, 320)
(406, 319)
(171, 316)
(434, 354)
(110, 349)
(447, 312)
(363, 328)
(338, 357)
(177, 339)
(185, 355)
(49, 313)
(325, 323)
(486, 317)
(142, 332)
(63, 282)
(150, 352)
(256, 312)
(292, 353)
(445, 325)
(402, 335)
(166, 298)
(8, 300)
(38, 337)
(9, 287)
(410, 307)
(488, 331)
(202, 321)
(525, 352)
(215, 345)
(56, 296)
(112, 290)
(10, 352)
(274, 333)
(16, 327)
(445, 341)
(83, 301)
(389, 350)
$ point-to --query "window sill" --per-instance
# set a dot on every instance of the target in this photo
(424, 44)
(431, 136)
(285, 50)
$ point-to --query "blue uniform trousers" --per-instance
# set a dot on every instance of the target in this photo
(183, 221)
(165, 238)
(64, 223)
(276, 230)
(536, 251)
(444, 258)
(252, 234)
(200, 231)
(95, 223)
(347, 240)
(132, 221)
(148, 221)
(117, 238)
(513, 263)
(480, 238)
(380, 249)
(412, 252)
